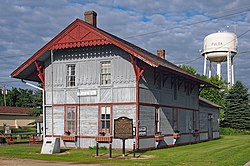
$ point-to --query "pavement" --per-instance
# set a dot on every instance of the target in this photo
(247, 164)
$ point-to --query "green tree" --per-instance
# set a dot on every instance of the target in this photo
(37, 103)
(237, 109)
(189, 69)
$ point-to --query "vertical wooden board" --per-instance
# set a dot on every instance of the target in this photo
(166, 117)
(167, 97)
(58, 97)
(216, 120)
(124, 110)
(117, 143)
(216, 135)
(48, 120)
(124, 94)
(88, 99)
(87, 142)
(88, 121)
(190, 124)
(58, 118)
(203, 136)
(147, 143)
(149, 95)
(105, 95)
(182, 121)
(59, 70)
(48, 97)
(203, 121)
(48, 76)
(71, 96)
(147, 119)
(80, 72)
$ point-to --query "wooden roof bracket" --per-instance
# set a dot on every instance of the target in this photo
(41, 71)
(138, 70)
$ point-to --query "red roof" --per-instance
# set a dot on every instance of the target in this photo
(81, 34)
(15, 110)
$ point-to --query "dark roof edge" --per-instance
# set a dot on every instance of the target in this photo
(205, 101)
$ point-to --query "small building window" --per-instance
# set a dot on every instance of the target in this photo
(157, 119)
(105, 119)
(71, 75)
(105, 73)
(71, 120)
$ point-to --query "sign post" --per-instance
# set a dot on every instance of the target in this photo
(123, 128)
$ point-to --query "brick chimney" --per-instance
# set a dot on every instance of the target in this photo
(90, 17)
(161, 54)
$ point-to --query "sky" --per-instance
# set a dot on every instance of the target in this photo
(178, 26)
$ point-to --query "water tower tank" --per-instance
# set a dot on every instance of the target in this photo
(217, 45)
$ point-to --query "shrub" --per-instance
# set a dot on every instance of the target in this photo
(100, 148)
(231, 131)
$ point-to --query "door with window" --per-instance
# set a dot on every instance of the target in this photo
(210, 126)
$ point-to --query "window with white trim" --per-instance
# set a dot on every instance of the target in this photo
(157, 119)
(105, 73)
(105, 119)
(71, 119)
(71, 75)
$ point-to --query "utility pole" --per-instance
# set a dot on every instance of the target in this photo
(4, 92)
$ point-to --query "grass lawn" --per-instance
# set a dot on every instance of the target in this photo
(229, 150)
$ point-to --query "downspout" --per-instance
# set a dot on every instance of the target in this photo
(79, 120)
(44, 113)
(137, 113)
(52, 90)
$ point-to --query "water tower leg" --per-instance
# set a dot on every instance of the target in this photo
(229, 78)
(219, 70)
(232, 68)
(210, 68)
(205, 65)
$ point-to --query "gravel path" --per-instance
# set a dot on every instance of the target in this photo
(30, 162)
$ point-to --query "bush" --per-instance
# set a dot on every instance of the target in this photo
(100, 148)
(231, 131)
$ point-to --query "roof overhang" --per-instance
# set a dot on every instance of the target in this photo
(205, 102)
(81, 34)
(77, 34)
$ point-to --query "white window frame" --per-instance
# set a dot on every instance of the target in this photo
(105, 73)
(70, 119)
(105, 118)
(71, 75)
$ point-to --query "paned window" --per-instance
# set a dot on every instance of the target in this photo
(105, 119)
(71, 119)
(71, 75)
(105, 73)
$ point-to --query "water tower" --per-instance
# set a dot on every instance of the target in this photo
(220, 47)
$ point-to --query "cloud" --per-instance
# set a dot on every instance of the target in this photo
(25, 26)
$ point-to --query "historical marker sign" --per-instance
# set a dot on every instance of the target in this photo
(123, 127)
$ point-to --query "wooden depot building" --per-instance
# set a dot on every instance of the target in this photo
(92, 77)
